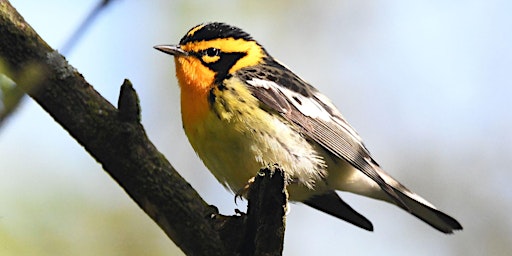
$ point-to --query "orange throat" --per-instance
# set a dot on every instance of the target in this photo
(195, 81)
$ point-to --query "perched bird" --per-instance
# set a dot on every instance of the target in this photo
(242, 110)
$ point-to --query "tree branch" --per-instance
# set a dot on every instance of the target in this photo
(117, 140)
(266, 214)
(261, 230)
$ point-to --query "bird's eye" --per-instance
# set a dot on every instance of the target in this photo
(211, 52)
(210, 55)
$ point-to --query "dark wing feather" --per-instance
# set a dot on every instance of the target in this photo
(297, 101)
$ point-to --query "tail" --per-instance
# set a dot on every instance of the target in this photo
(420, 207)
(332, 204)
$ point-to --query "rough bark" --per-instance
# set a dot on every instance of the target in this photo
(117, 140)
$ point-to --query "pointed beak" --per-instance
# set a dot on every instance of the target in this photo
(174, 50)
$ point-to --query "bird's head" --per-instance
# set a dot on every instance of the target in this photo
(211, 52)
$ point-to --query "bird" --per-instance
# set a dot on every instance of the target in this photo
(242, 109)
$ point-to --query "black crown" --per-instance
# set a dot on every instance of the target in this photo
(215, 30)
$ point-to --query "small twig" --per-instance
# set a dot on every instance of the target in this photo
(71, 42)
(128, 103)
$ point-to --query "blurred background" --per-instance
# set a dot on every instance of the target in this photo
(427, 84)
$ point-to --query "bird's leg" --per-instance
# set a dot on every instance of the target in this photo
(241, 193)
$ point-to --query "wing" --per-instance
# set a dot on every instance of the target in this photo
(284, 92)
(300, 103)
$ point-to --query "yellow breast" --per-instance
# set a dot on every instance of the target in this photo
(236, 138)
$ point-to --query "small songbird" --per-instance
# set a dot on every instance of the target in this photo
(242, 110)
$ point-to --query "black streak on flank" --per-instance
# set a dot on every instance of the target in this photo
(211, 96)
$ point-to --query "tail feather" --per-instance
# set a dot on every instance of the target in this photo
(332, 204)
(420, 207)
(429, 214)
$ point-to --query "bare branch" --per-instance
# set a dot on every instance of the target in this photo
(261, 230)
(115, 139)
(266, 213)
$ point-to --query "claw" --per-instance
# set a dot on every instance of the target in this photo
(241, 193)
(238, 196)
